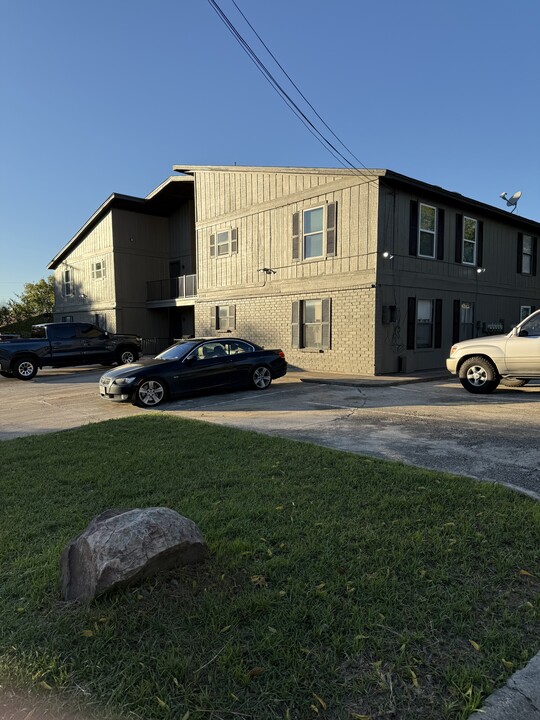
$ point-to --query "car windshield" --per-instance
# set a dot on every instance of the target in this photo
(177, 351)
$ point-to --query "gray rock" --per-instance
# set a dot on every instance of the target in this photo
(123, 546)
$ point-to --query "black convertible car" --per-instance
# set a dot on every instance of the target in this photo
(192, 365)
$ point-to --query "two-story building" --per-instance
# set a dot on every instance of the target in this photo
(366, 272)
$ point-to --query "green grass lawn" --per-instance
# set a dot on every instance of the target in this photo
(338, 586)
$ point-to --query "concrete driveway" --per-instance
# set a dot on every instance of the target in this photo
(432, 424)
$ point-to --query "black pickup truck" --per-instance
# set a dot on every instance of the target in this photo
(65, 344)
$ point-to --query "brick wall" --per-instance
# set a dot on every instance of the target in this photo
(267, 321)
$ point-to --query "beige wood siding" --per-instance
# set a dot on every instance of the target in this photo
(265, 227)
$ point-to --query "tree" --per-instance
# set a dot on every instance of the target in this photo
(36, 299)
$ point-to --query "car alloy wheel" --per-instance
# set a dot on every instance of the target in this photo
(261, 378)
(25, 369)
(150, 393)
(478, 375)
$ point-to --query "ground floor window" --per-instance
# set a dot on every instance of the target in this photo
(424, 323)
(311, 324)
(466, 321)
(67, 318)
(225, 317)
(525, 311)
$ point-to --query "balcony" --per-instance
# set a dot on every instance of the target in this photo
(171, 289)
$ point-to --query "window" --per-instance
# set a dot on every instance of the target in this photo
(469, 241)
(524, 312)
(67, 318)
(427, 231)
(311, 324)
(314, 232)
(526, 254)
(224, 242)
(98, 270)
(424, 324)
(67, 283)
(225, 317)
(466, 321)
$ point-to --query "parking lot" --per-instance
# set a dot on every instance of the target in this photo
(432, 424)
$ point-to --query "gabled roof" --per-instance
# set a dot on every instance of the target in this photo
(161, 202)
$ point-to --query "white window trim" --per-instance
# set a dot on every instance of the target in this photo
(431, 323)
(431, 232)
(230, 318)
(527, 254)
(463, 241)
(67, 283)
(102, 270)
(323, 232)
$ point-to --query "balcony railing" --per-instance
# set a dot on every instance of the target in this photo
(184, 286)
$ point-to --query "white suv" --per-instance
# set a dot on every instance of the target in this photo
(514, 359)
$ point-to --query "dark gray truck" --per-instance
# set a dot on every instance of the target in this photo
(65, 344)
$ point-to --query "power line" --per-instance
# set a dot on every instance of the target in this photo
(324, 141)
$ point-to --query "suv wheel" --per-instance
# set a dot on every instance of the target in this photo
(478, 375)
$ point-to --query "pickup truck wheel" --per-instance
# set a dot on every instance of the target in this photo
(25, 368)
(513, 382)
(6, 374)
(150, 393)
(127, 355)
(478, 375)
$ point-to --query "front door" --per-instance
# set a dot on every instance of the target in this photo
(94, 342)
(523, 350)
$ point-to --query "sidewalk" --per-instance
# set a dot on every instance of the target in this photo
(328, 378)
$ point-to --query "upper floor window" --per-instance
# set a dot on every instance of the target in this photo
(314, 232)
(224, 242)
(67, 283)
(469, 240)
(98, 270)
(426, 230)
(526, 254)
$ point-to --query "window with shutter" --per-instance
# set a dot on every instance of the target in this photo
(312, 324)
(526, 254)
(314, 233)
(224, 242)
(225, 317)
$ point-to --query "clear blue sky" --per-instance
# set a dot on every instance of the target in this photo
(106, 96)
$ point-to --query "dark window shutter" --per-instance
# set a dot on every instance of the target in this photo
(411, 322)
(459, 237)
(326, 322)
(331, 228)
(480, 244)
(440, 234)
(534, 254)
(413, 228)
(214, 318)
(455, 321)
(520, 253)
(295, 324)
(234, 240)
(296, 236)
(212, 245)
(437, 341)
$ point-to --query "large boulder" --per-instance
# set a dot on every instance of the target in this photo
(123, 546)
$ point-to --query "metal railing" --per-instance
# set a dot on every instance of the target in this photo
(172, 288)
(155, 345)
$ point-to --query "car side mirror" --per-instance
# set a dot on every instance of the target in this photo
(523, 333)
(189, 360)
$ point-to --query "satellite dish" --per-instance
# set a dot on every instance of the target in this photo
(511, 201)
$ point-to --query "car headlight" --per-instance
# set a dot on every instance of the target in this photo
(124, 381)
